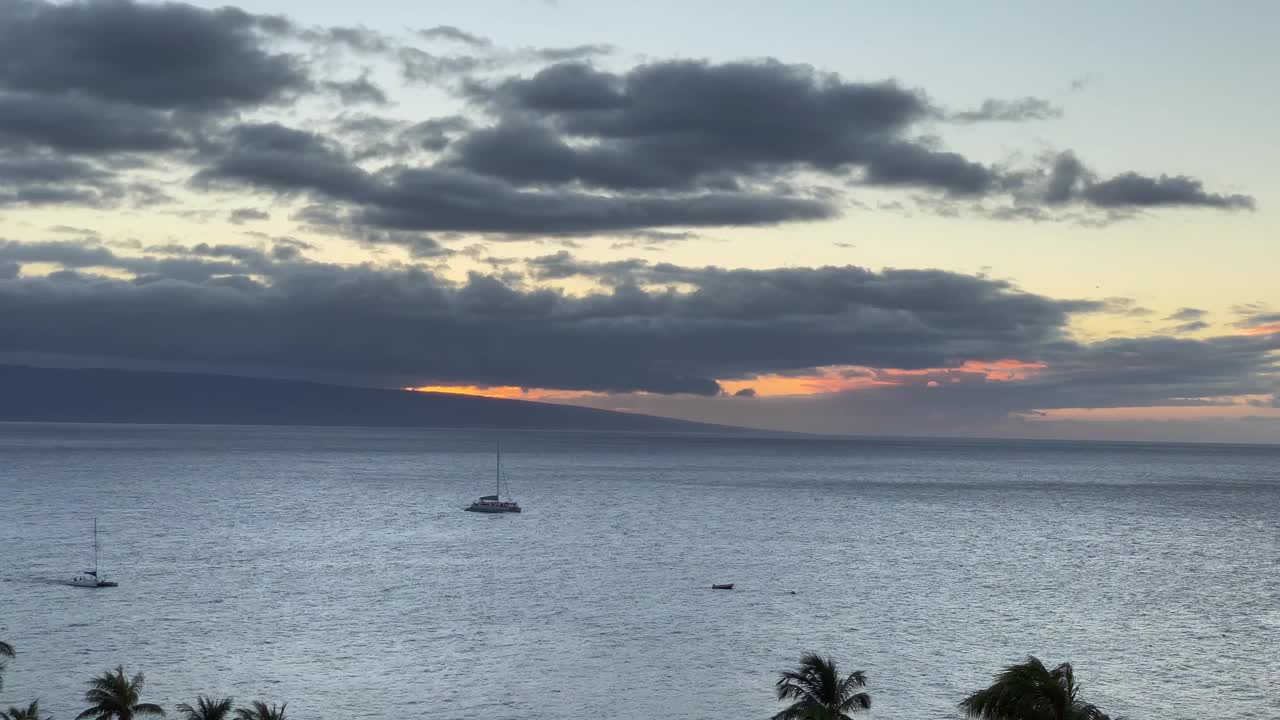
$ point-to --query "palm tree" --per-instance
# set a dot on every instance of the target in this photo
(112, 696)
(31, 712)
(6, 651)
(1031, 691)
(206, 709)
(819, 692)
(261, 711)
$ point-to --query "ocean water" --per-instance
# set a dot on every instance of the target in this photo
(334, 569)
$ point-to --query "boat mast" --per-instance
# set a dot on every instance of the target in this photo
(95, 547)
(497, 472)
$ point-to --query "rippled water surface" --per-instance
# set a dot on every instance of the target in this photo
(334, 569)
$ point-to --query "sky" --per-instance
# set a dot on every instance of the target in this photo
(836, 217)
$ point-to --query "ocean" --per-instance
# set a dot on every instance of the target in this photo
(334, 568)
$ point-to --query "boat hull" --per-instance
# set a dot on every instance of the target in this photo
(484, 509)
(91, 583)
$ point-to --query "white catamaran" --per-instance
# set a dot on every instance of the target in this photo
(491, 503)
(91, 578)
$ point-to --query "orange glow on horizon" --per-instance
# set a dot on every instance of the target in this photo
(504, 392)
(1264, 329)
(850, 377)
(832, 379)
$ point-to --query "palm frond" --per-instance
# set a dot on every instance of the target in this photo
(1030, 690)
(31, 712)
(207, 708)
(259, 710)
(114, 696)
(819, 692)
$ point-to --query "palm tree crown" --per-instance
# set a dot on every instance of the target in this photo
(818, 691)
(206, 709)
(31, 712)
(112, 696)
(261, 711)
(1031, 691)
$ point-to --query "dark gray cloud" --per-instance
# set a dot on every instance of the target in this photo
(163, 56)
(283, 159)
(359, 90)
(688, 124)
(1188, 320)
(77, 256)
(1259, 318)
(237, 309)
(399, 326)
(1069, 180)
(39, 177)
(357, 39)
(568, 149)
(436, 134)
(745, 393)
(286, 160)
(1187, 314)
(1020, 110)
(571, 52)
(455, 34)
(84, 125)
(1131, 190)
(1190, 327)
(244, 215)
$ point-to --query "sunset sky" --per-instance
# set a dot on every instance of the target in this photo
(972, 219)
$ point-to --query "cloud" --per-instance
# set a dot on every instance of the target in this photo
(571, 53)
(271, 156)
(454, 34)
(359, 90)
(929, 343)
(1069, 180)
(427, 68)
(546, 143)
(76, 256)
(164, 56)
(357, 39)
(1020, 110)
(399, 326)
(39, 177)
(1134, 190)
(84, 125)
(1187, 314)
(1155, 372)
(240, 216)
(689, 124)
(681, 125)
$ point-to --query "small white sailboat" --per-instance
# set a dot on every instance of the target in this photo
(91, 578)
(492, 503)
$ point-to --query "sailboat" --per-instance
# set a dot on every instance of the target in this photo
(91, 578)
(492, 503)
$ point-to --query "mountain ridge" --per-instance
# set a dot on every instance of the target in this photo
(107, 395)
